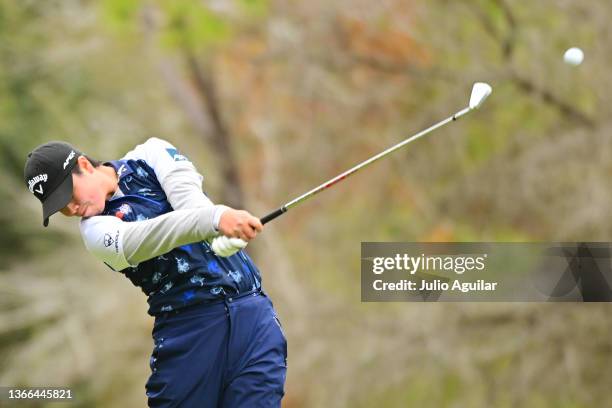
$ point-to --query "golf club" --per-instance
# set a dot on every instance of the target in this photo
(480, 91)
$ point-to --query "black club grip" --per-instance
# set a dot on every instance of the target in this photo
(273, 215)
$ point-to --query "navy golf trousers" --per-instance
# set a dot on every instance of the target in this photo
(224, 355)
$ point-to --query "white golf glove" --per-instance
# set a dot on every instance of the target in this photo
(225, 246)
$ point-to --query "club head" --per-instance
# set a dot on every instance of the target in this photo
(480, 91)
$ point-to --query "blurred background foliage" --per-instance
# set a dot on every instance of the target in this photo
(270, 98)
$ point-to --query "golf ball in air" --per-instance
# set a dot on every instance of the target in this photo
(573, 56)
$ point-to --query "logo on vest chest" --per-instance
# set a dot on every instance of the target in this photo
(123, 210)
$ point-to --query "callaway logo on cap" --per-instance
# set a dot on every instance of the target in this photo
(47, 174)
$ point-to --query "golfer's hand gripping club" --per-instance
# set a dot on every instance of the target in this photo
(224, 246)
(236, 228)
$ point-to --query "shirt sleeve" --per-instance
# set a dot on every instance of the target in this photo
(177, 176)
(103, 237)
(122, 244)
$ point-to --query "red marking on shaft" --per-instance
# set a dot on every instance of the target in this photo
(334, 182)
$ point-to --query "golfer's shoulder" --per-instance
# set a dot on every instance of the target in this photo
(149, 150)
(160, 156)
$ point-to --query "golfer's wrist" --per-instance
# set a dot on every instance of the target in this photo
(219, 210)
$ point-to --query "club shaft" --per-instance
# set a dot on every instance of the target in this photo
(355, 169)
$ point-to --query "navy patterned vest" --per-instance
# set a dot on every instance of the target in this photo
(188, 274)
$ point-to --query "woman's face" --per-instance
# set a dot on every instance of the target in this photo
(88, 198)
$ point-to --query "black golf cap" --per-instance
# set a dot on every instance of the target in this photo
(48, 175)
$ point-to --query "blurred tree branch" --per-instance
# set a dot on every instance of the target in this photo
(567, 110)
(204, 83)
(202, 105)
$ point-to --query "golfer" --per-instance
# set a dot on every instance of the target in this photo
(217, 341)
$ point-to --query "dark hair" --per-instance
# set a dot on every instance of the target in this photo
(77, 169)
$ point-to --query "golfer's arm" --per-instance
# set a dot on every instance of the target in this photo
(123, 244)
(178, 178)
(183, 188)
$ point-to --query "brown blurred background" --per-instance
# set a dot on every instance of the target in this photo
(269, 99)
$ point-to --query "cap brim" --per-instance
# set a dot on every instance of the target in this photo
(58, 199)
